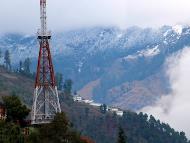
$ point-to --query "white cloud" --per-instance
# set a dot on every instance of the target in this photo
(62, 14)
(23, 15)
(174, 108)
(158, 12)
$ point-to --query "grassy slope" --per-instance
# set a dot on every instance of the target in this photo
(15, 83)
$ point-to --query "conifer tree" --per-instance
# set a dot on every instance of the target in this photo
(7, 60)
(103, 108)
(20, 66)
(68, 86)
(15, 109)
(0, 54)
(121, 136)
(59, 80)
(26, 65)
(59, 131)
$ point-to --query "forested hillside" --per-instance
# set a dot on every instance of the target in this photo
(90, 121)
(103, 128)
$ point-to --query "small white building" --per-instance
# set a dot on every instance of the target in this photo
(119, 113)
(77, 98)
(113, 109)
(95, 104)
(88, 101)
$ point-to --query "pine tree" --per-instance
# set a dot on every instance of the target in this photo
(59, 81)
(15, 109)
(121, 136)
(68, 86)
(0, 54)
(20, 66)
(26, 65)
(59, 131)
(103, 108)
(7, 60)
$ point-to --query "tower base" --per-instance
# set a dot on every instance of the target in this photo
(45, 105)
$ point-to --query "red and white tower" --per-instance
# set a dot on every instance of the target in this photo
(46, 101)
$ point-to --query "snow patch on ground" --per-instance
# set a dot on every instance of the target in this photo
(166, 33)
(130, 57)
(119, 35)
(151, 52)
(178, 29)
(165, 42)
(80, 65)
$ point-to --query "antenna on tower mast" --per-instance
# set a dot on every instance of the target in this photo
(43, 18)
(46, 101)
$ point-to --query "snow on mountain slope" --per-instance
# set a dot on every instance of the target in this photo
(178, 29)
(88, 40)
(143, 53)
(111, 55)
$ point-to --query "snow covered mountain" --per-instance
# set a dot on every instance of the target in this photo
(119, 67)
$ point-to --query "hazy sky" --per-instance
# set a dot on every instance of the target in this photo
(23, 15)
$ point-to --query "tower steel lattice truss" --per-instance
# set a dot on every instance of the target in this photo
(46, 101)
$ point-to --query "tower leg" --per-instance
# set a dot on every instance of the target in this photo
(45, 105)
(58, 105)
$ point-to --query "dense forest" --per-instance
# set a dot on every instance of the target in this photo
(104, 128)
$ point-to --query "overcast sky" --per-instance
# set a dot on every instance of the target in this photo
(23, 15)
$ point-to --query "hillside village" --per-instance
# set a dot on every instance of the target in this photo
(103, 107)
